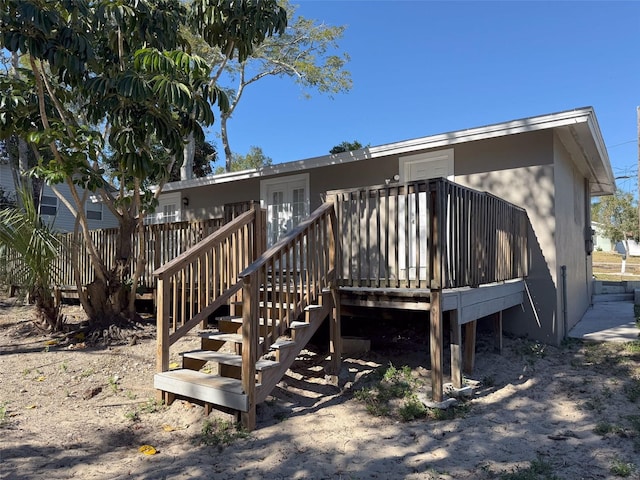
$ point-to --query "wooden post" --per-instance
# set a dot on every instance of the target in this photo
(436, 345)
(162, 326)
(497, 331)
(203, 287)
(335, 333)
(469, 346)
(336, 325)
(260, 231)
(435, 272)
(249, 349)
(162, 329)
(456, 350)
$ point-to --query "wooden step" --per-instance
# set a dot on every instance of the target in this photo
(225, 337)
(233, 323)
(221, 391)
(297, 327)
(226, 359)
(274, 305)
(285, 350)
(237, 319)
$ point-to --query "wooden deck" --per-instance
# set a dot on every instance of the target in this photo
(429, 245)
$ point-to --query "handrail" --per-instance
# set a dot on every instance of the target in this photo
(280, 284)
(195, 284)
(220, 234)
(286, 240)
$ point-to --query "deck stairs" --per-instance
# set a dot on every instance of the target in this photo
(221, 352)
(277, 297)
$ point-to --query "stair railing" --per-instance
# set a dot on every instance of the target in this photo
(279, 285)
(199, 281)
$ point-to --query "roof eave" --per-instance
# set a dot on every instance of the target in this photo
(584, 115)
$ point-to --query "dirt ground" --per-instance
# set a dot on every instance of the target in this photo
(71, 410)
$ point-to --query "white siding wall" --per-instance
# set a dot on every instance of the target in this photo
(63, 220)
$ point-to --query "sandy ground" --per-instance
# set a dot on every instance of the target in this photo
(84, 412)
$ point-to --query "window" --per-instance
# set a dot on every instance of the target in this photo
(48, 205)
(94, 211)
(169, 213)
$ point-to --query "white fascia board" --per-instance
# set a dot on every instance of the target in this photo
(594, 129)
(543, 122)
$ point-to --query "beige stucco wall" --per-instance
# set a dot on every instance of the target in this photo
(209, 201)
(520, 170)
(532, 170)
(572, 217)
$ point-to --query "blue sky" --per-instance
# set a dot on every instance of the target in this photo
(421, 68)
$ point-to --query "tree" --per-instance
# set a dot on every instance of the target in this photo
(254, 159)
(205, 154)
(346, 147)
(33, 246)
(304, 53)
(118, 74)
(618, 215)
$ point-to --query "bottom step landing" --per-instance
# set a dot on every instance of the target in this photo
(223, 391)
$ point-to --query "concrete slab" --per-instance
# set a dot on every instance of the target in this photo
(607, 322)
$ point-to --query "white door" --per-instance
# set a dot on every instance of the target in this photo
(287, 203)
(419, 167)
(168, 209)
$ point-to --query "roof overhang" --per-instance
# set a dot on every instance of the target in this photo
(578, 130)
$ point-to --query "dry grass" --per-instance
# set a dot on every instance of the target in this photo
(609, 257)
(607, 266)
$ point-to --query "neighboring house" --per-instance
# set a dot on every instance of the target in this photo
(600, 241)
(551, 165)
(53, 210)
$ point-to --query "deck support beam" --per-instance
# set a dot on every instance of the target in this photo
(456, 349)
(436, 346)
(469, 346)
(335, 346)
(497, 331)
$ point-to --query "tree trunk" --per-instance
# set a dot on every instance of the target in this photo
(48, 309)
(186, 170)
(109, 298)
(225, 141)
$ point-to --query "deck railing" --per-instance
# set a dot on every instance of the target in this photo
(388, 240)
(295, 271)
(162, 242)
(196, 283)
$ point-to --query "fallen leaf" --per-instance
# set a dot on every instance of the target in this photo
(31, 407)
(147, 450)
(168, 428)
(173, 365)
(51, 342)
(40, 378)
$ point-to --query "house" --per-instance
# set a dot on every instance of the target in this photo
(54, 211)
(600, 241)
(549, 165)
